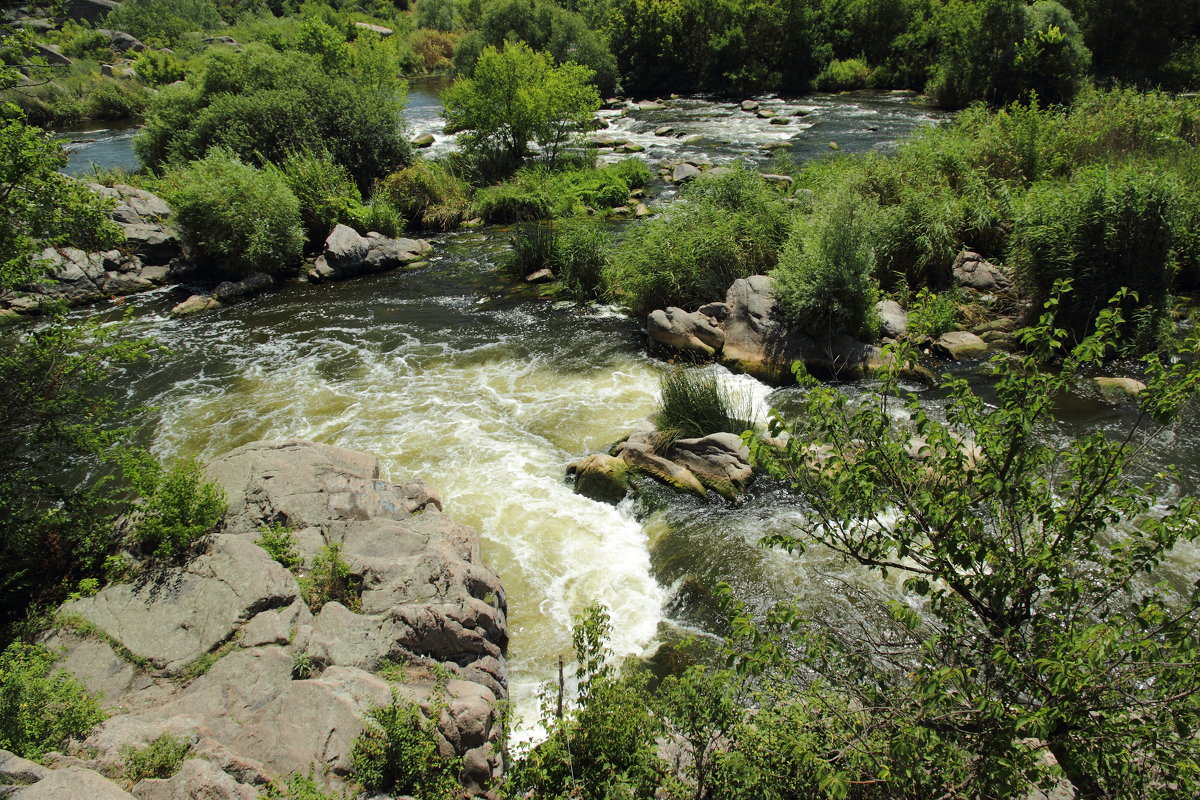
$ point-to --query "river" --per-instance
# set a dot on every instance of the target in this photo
(451, 374)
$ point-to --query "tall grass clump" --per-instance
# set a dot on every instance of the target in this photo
(430, 196)
(727, 227)
(325, 191)
(694, 403)
(576, 250)
(539, 192)
(1108, 228)
(825, 279)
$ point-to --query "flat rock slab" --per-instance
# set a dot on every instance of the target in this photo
(74, 783)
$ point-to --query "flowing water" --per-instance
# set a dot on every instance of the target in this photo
(451, 374)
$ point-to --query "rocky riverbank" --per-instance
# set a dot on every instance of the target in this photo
(224, 652)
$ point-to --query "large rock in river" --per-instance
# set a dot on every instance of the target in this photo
(208, 650)
(347, 254)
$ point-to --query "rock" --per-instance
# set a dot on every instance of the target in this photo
(997, 325)
(781, 181)
(665, 130)
(196, 779)
(649, 105)
(677, 477)
(16, 770)
(121, 41)
(93, 11)
(780, 121)
(75, 783)
(776, 146)
(541, 276)
(255, 283)
(765, 113)
(751, 304)
(749, 105)
(196, 304)
(620, 211)
(718, 311)
(609, 141)
(642, 210)
(424, 140)
(720, 460)
(974, 272)
(1119, 388)
(379, 29)
(684, 173)
(688, 333)
(601, 477)
(893, 320)
(960, 346)
(348, 254)
(52, 54)
(632, 147)
(225, 40)
(345, 246)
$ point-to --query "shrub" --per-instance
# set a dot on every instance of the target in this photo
(428, 194)
(842, 76)
(329, 580)
(41, 708)
(694, 403)
(533, 249)
(730, 226)
(378, 215)
(325, 191)
(178, 507)
(157, 68)
(280, 543)
(1107, 229)
(581, 254)
(397, 753)
(161, 758)
(513, 201)
(235, 218)
(824, 281)
(300, 786)
(113, 99)
(933, 314)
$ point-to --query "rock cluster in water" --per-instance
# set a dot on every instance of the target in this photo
(208, 650)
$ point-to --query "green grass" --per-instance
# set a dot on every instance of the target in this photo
(693, 404)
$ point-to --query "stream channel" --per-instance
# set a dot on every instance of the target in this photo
(452, 374)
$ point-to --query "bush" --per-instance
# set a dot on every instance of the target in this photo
(179, 506)
(581, 255)
(41, 708)
(300, 786)
(325, 191)
(161, 758)
(1106, 229)
(397, 753)
(163, 21)
(533, 249)
(157, 68)
(825, 281)
(729, 227)
(235, 219)
(428, 194)
(842, 76)
(329, 580)
(694, 403)
(519, 199)
(933, 314)
(378, 215)
(280, 543)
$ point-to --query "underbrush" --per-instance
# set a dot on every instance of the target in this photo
(537, 192)
(430, 196)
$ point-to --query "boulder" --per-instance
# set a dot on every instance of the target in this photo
(765, 113)
(960, 346)
(93, 11)
(750, 326)
(684, 173)
(893, 320)
(18, 771)
(121, 41)
(609, 141)
(424, 140)
(197, 779)
(973, 271)
(76, 783)
(780, 121)
(1119, 388)
(642, 210)
(664, 130)
(50, 52)
(196, 304)
(225, 40)
(347, 254)
(649, 105)
(601, 477)
(721, 461)
(632, 147)
(255, 283)
(541, 276)
(780, 181)
(686, 332)
(749, 105)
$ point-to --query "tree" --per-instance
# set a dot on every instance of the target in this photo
(1047, 625)
(516, 97)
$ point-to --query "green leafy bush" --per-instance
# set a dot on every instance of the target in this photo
(693, 403)
(161, 758)
(325, 191)
(730, 226)
(516, 200)
(157, 68)
(933, 314)
(428, 194)
(843, 76)
(329, 579)
(41, 708)
(280, 543)
(234, 218)
(825, 279)
(379, 215)
(179, 506)
(300, 786)
(397, 753)
(163, 21)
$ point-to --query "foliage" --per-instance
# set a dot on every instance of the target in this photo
(933, 314)
(158, 68)
(581, 255)
(62, 417)
(515, 97)
(429, 195)
(303, 666)
(1106, 229)
(329, 579)
(41, 207)
(695, 403)
(378, 215)
(842, 76)
(163, 21)
(441, 15)
(41, 708)
(1043, 627)
(300, 786)
(728, 227)
(540, 192)
(324, 190)
(397, 752)
(178, 506)
(263, 105)
(160, 758)
(280, 543)
(233, 218)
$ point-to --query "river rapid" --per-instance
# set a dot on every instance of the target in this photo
(451, 374)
